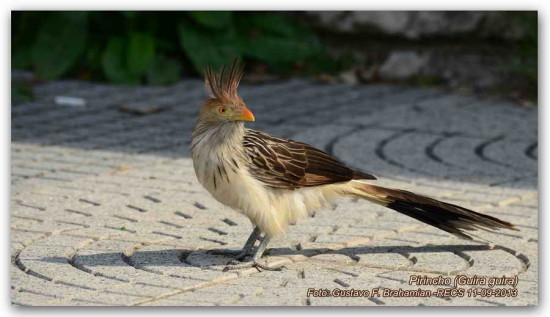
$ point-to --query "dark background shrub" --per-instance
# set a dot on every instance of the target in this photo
(159, 47)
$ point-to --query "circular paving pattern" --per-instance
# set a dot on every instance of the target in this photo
(105, 208)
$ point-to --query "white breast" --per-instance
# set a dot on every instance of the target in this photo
(219, 163)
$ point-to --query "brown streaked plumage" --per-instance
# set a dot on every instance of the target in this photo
(287, 164)
(276, 181)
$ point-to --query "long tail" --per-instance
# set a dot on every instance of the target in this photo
(448, 217)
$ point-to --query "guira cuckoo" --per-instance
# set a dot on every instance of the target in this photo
(276, 181)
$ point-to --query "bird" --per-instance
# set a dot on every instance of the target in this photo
(276, 181)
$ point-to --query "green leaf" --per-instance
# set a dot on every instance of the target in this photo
(114, 63)
(163, 71)
(212, 19)
(276, 40)
(278, 49)
(206, 48)
(59, 44)
(24, 33)
(125, 60)
(272, 23)
(140, 52)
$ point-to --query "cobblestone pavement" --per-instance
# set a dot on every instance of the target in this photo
(106, 210)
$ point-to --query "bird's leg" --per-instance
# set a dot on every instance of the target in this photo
(240, 254)
(249, 243)
(254, 261)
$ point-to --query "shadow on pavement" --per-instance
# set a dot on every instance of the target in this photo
(394, 132)
(177, 257)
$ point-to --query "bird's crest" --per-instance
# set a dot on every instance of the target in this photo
(223, 85)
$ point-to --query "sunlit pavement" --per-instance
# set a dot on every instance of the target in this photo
(106, 210)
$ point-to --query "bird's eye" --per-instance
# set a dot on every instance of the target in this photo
(222, 110)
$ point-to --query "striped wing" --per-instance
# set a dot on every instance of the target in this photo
(283, 163)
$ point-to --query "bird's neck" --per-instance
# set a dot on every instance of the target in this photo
(219, 135)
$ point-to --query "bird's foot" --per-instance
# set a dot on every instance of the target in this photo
(253, 263)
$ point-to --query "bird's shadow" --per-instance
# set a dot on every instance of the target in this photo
(177, 257)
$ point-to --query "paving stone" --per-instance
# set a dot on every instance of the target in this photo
(106, 209)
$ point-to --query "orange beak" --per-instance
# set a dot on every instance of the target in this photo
(244, 115)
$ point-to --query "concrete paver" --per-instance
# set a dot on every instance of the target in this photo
(106, 210)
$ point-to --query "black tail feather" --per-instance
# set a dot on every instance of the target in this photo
(448, 217)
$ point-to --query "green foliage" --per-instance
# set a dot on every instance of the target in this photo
(272, 37)
(134, 47)
(125, 60)
(140, 53)
(206, 47)
(525, 62)
(163, 70)
(216, 20)
(114, 62)
(59, 43)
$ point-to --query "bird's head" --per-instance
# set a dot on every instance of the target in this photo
(224, 103)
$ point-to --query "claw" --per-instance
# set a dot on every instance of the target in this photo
(257, 254)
